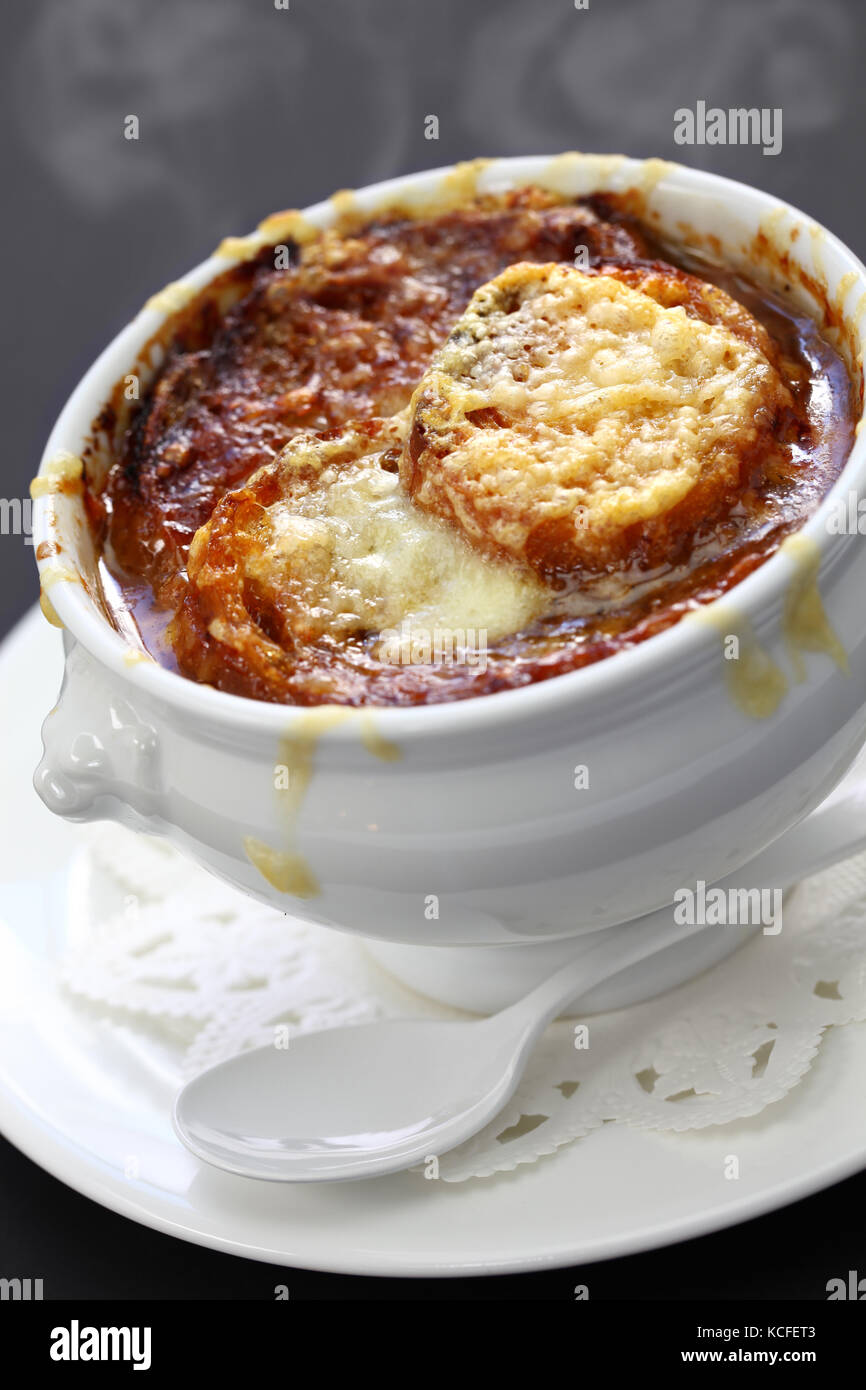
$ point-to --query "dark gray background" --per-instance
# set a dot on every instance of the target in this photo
(244, 109)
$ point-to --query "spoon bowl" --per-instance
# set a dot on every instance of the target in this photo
(377, 1098)
(349, 1102)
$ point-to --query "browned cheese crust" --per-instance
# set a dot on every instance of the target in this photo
(576, 422)
(439, 421)
(343, 335)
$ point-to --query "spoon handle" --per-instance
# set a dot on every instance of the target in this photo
(615, 949)
(833, 832)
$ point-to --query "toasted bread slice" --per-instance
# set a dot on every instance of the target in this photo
(319, 570)
(575, 421)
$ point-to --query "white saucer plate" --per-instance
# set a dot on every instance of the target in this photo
(89, 1101)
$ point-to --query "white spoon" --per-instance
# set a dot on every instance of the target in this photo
(362, 1101)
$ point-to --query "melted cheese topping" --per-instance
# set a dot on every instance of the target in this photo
(280, 227)
(582, 405)
(63, 471)
(171, 298)
(345, 552)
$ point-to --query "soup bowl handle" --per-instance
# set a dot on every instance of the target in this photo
(101, 759)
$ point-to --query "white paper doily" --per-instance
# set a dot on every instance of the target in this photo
(165, 947)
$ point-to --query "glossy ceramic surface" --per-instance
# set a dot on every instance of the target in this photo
(470, 824)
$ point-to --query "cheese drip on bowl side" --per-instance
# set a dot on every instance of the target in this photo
(574, 421)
